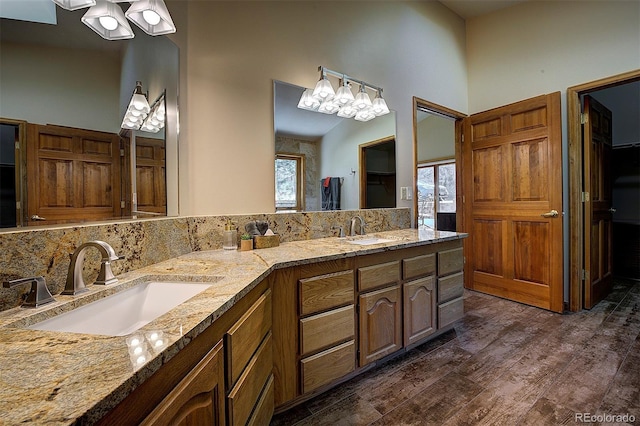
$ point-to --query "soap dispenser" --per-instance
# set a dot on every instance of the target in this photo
(230, 237)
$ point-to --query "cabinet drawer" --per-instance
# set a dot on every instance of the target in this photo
(325, 292)
(244, 395)
(450, 312)
(243, 338)
(418, 266)
(378, 275)
(450, 261)
(264, 407)
(326, 329)
(450, 287)
(327, 366)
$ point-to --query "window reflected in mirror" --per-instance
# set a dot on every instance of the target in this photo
(289, 182)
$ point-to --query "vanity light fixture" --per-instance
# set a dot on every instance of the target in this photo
(324, 99)
(141, 116)
(107, 19)
(152, 16)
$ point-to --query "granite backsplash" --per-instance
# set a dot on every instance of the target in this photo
(33, 252)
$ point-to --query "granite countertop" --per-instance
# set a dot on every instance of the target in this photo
(61, 377)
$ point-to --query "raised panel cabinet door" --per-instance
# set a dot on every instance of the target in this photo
(198, 399)
(419, 309)
(380, 319)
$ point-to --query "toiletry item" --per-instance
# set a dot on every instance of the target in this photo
(230, 237)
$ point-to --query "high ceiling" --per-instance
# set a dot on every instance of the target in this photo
(471, 8)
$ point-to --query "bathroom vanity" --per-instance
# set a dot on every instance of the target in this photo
(276, 327)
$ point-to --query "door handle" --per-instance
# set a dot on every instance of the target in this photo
(612, 210)
(36, 217)
(552, 213)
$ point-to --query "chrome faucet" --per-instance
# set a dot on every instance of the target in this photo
(75, 281)
(38, 295)
(353, 225)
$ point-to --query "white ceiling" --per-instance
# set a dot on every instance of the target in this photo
(471, 8)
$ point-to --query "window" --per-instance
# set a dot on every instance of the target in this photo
(432, 198)
(289, 182)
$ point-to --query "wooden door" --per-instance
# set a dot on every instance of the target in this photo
(73, 175)
(512, 171)
(380, 324)
(151, 176)
(198, 399)
(598, 277)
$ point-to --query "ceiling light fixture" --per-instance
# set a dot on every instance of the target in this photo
(107, 19)
(141, 116)
(324, 99)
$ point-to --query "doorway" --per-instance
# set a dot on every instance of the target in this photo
(378, 174)
(11, 173)
(587, 264)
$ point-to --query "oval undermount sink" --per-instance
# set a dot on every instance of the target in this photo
(124, 312)
(369, 241)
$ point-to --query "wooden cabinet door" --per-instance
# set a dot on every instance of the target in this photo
(380, 317)
(419, 307)
(199, 397)
(151, 175)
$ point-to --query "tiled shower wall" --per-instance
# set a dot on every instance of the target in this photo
(34, 252)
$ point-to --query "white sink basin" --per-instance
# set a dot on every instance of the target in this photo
(369, 241)
(124, 312)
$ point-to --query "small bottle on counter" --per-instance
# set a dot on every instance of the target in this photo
(230, 237)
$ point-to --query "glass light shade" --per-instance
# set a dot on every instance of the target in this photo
(139, 103)
(362, 100)
(365, 115)
(110, 14)
(308, 102)
(328, 107)
(74, 4)
(347, 111)
(344, 96)
(323, 90)
(152, 16)
(379, 106)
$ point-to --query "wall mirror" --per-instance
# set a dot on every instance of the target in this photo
(319, 155)
(64, 94)
(436, 130)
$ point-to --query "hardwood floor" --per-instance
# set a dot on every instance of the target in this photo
(503, 364)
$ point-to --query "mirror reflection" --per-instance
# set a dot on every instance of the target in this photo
(325, 162)
(63, 155)
(436, 170)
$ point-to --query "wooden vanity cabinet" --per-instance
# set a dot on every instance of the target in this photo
(419, 297)
(199, 397)
(193, 386)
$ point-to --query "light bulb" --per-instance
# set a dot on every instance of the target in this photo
(108, 22)
(151, 17)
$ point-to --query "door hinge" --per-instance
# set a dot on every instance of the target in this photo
(584, 118)
(585, 197)
(17, 205)
(17, 145)
(585, 275)
(462, 137)
(122, 205)
(121, 152)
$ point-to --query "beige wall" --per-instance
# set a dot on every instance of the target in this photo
(236, 49)
(539, 47)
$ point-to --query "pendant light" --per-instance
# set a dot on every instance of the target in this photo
(152, 16)
(323, 89)
(365, 115)
(106, 19)
(362, 100)
(74, 4)
(344, 95)
(328, 107)
(347, 111)
(137, 110)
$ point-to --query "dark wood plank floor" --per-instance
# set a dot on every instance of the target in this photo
(504, 364)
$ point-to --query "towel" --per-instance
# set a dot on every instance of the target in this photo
(330, 193)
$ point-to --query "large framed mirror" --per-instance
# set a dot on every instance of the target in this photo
(64, 93)
(325, 162)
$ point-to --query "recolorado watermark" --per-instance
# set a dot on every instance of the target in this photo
(604, 418)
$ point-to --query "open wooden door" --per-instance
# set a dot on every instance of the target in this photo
(598, 212)
(512, 172)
